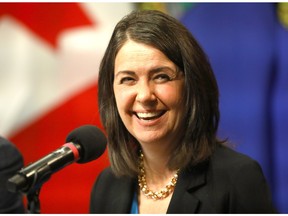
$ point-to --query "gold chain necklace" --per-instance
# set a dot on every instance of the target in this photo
(158, 195)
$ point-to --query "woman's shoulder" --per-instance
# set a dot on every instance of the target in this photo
(107, 177)
(106, 173)
(230, 162)
(240, 177)
(230, 157)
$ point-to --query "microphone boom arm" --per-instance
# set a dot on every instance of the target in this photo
(35, 175)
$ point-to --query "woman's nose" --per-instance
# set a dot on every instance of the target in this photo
(145, 93)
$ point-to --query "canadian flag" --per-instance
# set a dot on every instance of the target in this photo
(49, 59)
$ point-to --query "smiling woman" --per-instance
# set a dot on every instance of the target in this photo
(158, 101)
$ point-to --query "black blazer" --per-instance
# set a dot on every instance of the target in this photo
(229, 182)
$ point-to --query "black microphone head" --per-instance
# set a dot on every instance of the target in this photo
(92, 141)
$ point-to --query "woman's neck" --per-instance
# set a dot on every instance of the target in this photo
(157, 172)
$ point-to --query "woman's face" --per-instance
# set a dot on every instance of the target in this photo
(148, 90)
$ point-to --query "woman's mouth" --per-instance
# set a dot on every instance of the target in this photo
(149, 115)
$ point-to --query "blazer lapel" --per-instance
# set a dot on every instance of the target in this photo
(183, 200)
(126, 189)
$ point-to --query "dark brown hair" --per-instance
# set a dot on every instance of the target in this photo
(168, 35)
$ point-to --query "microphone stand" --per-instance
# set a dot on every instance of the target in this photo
(33, 201)
(42, 174)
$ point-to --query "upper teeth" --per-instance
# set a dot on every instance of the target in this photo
(148, 114)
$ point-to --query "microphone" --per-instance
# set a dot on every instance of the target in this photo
(83, 145)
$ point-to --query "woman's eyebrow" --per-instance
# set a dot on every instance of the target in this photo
(164, 68)
(151, 71)
(124, 72)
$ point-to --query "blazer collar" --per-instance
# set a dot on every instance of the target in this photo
(189, 180)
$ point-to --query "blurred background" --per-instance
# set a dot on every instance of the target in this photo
(49, 59)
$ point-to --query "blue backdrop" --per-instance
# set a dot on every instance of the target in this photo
(248, 50)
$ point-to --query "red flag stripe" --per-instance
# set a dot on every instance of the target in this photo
(47, 20)
(67, 191)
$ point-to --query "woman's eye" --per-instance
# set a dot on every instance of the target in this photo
(127, 80)
(162, 78)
